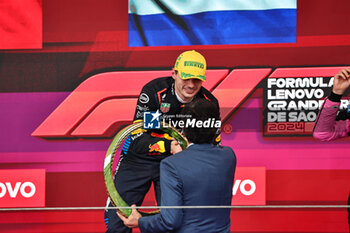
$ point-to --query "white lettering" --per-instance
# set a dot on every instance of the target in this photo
(31, 192)
(277, 105)
(276, 116)
(271, 82)
(190, 122)
(283, 94)
(302, 116)
(235, 187)
(3, 190)
(242, 187)
(344, 104)
(209, 123)
(298, 82)
(206, 123)
(293, 116)
(199, 124)
(181, 124)
(217, 124)
(13, 191)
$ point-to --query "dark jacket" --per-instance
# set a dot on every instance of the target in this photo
(201, 175)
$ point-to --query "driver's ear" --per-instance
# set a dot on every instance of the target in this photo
(173, 73)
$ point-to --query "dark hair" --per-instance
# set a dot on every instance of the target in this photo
(205, 111)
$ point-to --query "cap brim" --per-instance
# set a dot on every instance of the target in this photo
(186, 76)
(200, 78)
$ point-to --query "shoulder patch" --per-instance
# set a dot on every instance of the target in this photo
(144, 98)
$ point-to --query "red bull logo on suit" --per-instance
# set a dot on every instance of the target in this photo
(157, 147)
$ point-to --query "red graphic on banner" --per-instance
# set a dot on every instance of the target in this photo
(287, 128)
(22, 188)
(236, 87)
(249, 187)
(105, 102)
(21, 24)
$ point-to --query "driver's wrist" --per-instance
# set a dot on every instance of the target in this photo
(338, 91)
(334, 97)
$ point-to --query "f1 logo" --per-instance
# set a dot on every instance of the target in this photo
(105, 102)
(151, 120)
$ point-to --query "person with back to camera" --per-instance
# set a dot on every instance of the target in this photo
(201, 175)
(328, 125)
(142, 152)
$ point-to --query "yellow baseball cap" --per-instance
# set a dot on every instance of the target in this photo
(191, 64)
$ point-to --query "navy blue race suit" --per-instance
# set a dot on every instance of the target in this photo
(143, 150)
